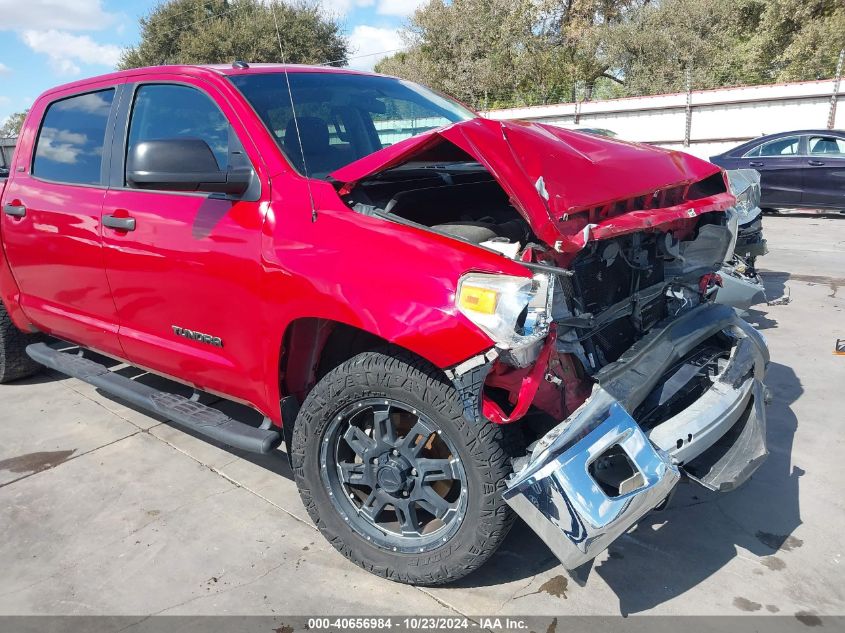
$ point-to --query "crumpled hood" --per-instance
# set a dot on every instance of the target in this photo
(559, 179)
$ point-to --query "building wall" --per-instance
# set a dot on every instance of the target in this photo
(721, 118)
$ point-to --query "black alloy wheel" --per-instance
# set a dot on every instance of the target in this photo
(393, 475)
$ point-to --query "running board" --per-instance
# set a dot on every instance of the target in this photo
(178, 409)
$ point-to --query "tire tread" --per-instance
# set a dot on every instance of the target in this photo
(15, 364)
(488, 447)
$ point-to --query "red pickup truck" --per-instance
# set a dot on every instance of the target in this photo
(448, 320)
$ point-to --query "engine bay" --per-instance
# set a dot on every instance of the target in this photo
(461, 200)
(607, 296)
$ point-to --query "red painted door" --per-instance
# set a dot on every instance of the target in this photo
(51, 221)
(192, 261)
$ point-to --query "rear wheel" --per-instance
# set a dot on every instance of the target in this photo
(14, 362)
(394, 475)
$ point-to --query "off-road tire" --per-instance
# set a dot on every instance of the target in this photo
(482, 448)
(14, 363)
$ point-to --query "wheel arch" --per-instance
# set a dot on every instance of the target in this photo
(310, 347)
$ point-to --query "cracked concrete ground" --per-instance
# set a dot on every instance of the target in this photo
(106, 510)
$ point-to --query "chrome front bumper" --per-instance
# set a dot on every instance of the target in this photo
(566, 506)
(719, 440)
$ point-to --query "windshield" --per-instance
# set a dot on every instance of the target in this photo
(343, 117)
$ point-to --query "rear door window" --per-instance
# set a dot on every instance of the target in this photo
(827, 146)
(70, 143)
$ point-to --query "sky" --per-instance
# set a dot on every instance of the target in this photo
(44, 43)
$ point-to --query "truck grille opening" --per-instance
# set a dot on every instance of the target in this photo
(657, 199)
(683, 384)
(608, 273)
(615, 473)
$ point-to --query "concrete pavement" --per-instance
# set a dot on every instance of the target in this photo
(106, 510)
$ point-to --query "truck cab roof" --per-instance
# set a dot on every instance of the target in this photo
(204, 70)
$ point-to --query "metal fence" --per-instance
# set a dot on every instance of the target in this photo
(702, 122)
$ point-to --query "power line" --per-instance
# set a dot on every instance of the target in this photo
(337, 61)
(295, 118)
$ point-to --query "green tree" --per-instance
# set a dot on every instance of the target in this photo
(579, 31)
(727, 42)
(709, 39)
(12, 126)
(513, 52)
(799, 39)
(220, 31)
(496, 52)
(467, 48)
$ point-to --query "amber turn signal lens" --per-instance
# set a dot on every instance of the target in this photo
(478, 299)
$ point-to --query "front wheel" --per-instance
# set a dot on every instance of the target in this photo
(393, 474)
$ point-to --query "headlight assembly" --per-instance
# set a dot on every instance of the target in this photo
(514, 311)
(745, 186)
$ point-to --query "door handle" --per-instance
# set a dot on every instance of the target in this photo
(121, 224)
(15, 210)
(755, 163)
(816, 163)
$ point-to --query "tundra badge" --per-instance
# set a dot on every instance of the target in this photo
(197, 336)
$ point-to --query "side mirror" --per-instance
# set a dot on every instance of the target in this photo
(182, 164)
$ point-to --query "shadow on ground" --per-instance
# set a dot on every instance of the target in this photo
(775, 282)
(672, 551)
(759, 320)
(777, 291)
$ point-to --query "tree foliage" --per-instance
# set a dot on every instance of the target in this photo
(728, 42)
(220, 31)
(509, 52)
(492, 51)
(709, 39)
(800, 39)
(12, 125)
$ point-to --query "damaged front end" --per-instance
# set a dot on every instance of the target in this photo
(677, 385)
(741, 285)
(689, 397)
(610, 355)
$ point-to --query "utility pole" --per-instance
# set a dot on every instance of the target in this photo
(578, 103)
(688, 124)
(831, 117)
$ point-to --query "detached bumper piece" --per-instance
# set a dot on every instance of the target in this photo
(735, 456)
(740, 290)
(721, 438)
(596, 474)
(572, 512)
